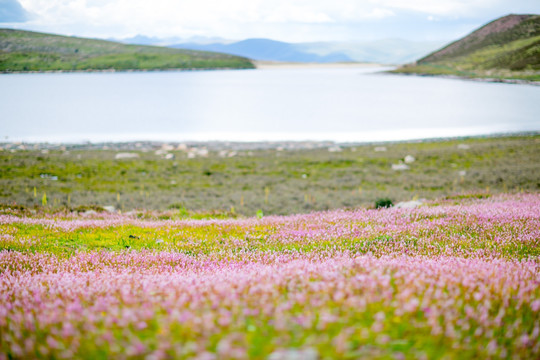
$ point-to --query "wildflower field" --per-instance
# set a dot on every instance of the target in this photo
(453, 279)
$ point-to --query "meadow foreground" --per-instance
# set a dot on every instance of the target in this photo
(453, 279)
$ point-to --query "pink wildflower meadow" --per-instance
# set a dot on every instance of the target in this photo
(446, 281)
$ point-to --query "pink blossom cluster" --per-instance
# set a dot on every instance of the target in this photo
(489, 307)
(454, 280)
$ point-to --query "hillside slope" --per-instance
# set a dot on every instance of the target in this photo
(31, 51)
(506, 48)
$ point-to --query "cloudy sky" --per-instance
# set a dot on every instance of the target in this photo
(287, 20)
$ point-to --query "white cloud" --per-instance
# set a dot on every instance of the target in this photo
(289, 12)
(379, 13)
(166, 16)
(444, 7)
(286, 19)
(424, 6)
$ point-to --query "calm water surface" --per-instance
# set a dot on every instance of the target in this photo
(347, 104)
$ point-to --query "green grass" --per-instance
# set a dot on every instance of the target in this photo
(31, 51)
(511, 54)
(231, 241)
(515, 60)
(275, 182)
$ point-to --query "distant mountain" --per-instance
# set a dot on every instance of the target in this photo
(265, 49)
(384, 51)
(32, 51)
(506, 48)
(389, 51)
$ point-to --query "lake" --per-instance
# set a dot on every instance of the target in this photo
(351, 104)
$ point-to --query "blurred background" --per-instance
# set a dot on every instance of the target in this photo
(285, 106)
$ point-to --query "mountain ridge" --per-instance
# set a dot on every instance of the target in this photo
(267, 49)
(505, 48)
(475, 38)
(385, 51)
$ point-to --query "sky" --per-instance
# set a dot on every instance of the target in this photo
(285, 20)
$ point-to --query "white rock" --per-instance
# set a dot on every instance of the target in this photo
(400, 167)
(409, 204)
(194, 152)
(294, 354)
(462, 173)
(202, 152)
(380, 149)
(463, 147)
(49, 177)
(126, 155)
(334, 149)
(109, 208)
(409, 159)
(169, 156)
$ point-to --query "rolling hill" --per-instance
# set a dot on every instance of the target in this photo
(506, 48)
(32, 51)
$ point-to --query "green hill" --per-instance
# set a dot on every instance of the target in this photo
(32, 51)
(506, 48)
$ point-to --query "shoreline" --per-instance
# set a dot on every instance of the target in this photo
(264, 65)
(257, 65)
(244, 145)
(119, 70)
(276, 140)
(476, 79)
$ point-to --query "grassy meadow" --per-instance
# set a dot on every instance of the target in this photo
(213, 253)
(274, 181)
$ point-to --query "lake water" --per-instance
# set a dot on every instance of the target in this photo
(340, 104)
